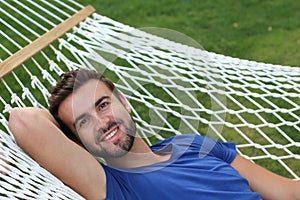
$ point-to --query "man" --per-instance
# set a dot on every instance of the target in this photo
(92, 113)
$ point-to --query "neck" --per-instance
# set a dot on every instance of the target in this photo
(139, 155)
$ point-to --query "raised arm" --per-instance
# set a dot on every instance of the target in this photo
(37, 133)
(266, 183)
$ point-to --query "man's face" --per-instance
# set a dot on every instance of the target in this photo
(99, 119)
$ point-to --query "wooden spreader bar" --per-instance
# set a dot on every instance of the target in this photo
(43, 41)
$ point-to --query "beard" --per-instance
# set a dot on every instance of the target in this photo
(121, 146)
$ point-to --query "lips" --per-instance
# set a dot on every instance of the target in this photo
(111, 134)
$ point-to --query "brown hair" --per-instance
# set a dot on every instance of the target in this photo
(68, 83)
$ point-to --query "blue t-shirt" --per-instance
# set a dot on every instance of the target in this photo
(199, 168)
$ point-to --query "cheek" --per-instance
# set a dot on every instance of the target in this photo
(120, 112)
(87, 135)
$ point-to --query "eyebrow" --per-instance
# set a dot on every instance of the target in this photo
(95, 105)
(100, 100)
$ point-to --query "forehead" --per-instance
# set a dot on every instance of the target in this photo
(82, 100)
(90, 91)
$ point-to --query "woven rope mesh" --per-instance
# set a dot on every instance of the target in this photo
(172, 89)
(22, 22)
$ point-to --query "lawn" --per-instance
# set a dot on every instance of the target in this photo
(264, 31)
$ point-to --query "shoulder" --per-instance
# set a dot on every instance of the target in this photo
(184, 141)
(205, 146)
(181, 140)
(188, 139)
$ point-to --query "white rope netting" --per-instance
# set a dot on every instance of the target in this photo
(172, 88)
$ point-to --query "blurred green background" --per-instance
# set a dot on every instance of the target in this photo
(265, 31)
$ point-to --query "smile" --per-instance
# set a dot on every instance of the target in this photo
(111, 135)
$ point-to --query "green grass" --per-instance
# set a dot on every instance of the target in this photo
(266, 31)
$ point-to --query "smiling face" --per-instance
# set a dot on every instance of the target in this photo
(99, 119)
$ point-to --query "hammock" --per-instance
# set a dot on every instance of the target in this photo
(172, 88)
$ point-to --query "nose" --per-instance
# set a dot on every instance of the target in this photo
(102, 122)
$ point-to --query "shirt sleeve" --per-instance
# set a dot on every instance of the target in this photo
(223, 150)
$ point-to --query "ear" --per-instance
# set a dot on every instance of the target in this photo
(124, 102)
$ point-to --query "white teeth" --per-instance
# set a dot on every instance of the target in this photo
(111, 135)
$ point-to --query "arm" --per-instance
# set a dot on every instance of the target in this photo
(266, 183)
(37, 133)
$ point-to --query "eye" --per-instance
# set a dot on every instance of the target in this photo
(103, 105)
(82, 122)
